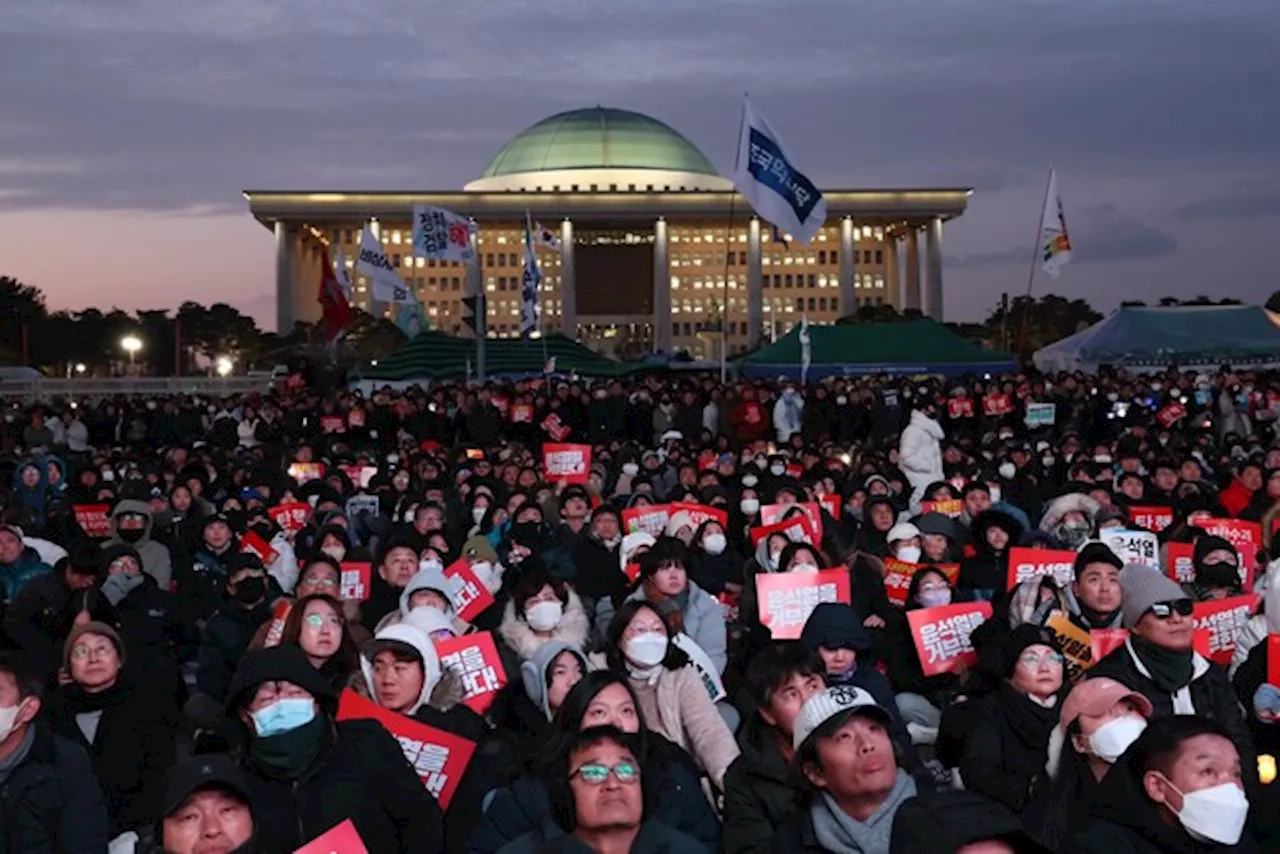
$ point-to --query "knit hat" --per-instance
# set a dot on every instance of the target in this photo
(91, 628)
(480, 548)
(1143, 587)
(1095, 552)
(1026, 635)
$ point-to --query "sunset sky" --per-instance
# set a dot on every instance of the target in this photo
(129, 128)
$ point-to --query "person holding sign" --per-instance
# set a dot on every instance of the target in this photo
(1217, 566)
(920, 698)
(307, 772)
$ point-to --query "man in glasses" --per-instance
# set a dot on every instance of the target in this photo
(1159, 662)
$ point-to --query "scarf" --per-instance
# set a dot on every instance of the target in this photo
(1171, 669)
(671, 608)
(287, 755)
(1099, 619)
(1031, 721)
(838, 832)
(80, 701)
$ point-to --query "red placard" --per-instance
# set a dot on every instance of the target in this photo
(555, 428)
(342, 839)
(566, 462)
(359, 475)
(1178, 562)
(730, 606)
(632, 571)
(652, 519)
(304, 473)
(470, 597)
(275, 631)
(700, 512)
(1026, 564)
(332, 424)
(1171, 414)
(1219, 621)
(897, 579)
(995, 405)
(522, 413)
(1106, 641)
(255, 545)
(291, 517)
(1245, 536)
(93, 519)
(796, 528)
(952, 507)
(960, 407)
(941, 635)
(772, 513)
(355, 418)
(357, 580)
(1152, 518)
(830, 502)
(475, 658)
(439, 758)
(795, 470)
(785, 600)
(1273, 660)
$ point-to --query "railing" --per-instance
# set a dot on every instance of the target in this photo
(48, 388)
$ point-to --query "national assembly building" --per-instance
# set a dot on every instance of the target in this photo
(656, 249)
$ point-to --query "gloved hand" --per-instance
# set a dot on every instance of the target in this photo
(1266, 703)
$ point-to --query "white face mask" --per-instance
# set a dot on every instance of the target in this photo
(842, 400)
(803, 567)
(544, 616)
(750, 480)
(1007, 470)
(630, 469)
(483, 571)
(431, 564)
(8, 720)
(1216, 814)
(335, 552)
(1048, 461)
(1112, 739)
(996, 495)
(750, 506)
(714, 544)
(777, 470)
(909, 554)
(935, 598)
(646, 650)
(477, 512)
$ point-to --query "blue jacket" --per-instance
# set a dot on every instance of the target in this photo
(26, 567)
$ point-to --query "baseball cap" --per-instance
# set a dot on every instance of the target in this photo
(829, 709)
(214, 771)
(1093, 697)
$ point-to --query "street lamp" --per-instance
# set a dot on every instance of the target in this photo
(224, 366)
(132, 344)
(80, 368)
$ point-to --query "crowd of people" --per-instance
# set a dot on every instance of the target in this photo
(233, 625)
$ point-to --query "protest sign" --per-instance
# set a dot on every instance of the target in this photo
(952, 507)
(439, 758)
(474, 657)
(941, 635)
(1140, 547)
(1026, 564)
(1152, 518)
(1170, 415)
(357, 581)
(700, 513)
(1041, 415)
(786, 599)
(522, 413)
(729, 606)
(995, 405)
(355, 418)
(93, 519)
(333, 424)
(470, 597)
(702, 663)
(771, 514)
(253, 544)
(1218, 622)
(830, 502)
(632, 571)
(304, 473)
(555, 428)
(1105, 641)
(362, 504)
(1076, 644)
(566, 462)
(342, 839)
(359, 475)
(960, 407)
(897, 579)
(291, 517)
(275, 630)
(650, 518)
(797, 529)
(1179, 563)
(1245, 536)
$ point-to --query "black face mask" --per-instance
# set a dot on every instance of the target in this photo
(131, 535)
(1218, 575)
(250, 590)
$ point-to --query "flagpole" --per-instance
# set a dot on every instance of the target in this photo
(729, 250)
(1036, 249)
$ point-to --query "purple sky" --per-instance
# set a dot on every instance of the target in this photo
(134, 124)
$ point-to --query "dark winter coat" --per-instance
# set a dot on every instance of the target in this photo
(40, 618)
(758, 796)
(154, 638)
(654, 838)
(22, 571)
(52, 801)
(201, 582)
(224, 642)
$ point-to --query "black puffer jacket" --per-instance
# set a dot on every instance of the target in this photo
(224, 642)
(988, 570)
(758, 794)
(52, 801)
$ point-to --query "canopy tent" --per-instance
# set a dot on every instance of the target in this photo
(436, 355)
(910, 347)
(1156, 338)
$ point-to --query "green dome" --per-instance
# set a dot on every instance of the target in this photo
(598, 138)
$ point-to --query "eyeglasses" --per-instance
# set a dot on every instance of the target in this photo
(319, 582)
(81, 652)
(1165, 610)
(596, 774)
(1030, 659)
(315, 621)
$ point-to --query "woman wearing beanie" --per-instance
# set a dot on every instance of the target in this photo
(1004, 758)
(1217, 566)
(1158, 660)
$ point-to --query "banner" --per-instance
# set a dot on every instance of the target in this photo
(952, 507)
(702, 663)
(475, 658)
(785, 600)
(568, 463)
(304, 473)
(1076, 643)
(768, 178)
(771, 514)
(357, 581)
(359, 475)
(995, 405)
(342, 839)
(898, 575)
(1179, 562)
(797, 529)
(960, 407)
(1026, 564)
(1106, 641)
(941, 635)
(255, 545)
(1171, 414)
(291, 517)
(93, 519)
(441, 234)
(1055, 243)
(1245, 536)
(1152, 518)
(333, 424)
(470, 597)
(1140, 547)
(386, 286)
(1219, 621)
(439, 758)
(1041, 415)
(279, 614)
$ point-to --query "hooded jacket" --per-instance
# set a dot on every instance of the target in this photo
(534, 672)
(574, 627)
(920, 453)
(156, 560)
(14, 575)
(758, 794)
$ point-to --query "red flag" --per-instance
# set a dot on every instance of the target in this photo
(335, 310)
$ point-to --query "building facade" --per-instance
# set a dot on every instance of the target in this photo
(657, 251)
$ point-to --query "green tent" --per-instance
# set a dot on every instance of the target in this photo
(908, 347)
(437, 355)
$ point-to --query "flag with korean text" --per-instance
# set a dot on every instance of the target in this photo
(1219, 622)
(1055, 243)
(767, 176)
(342, 273)
(529, 283)
(941, 635)
(441, 235)
(784, 600)
(474, 658)
(373, 263)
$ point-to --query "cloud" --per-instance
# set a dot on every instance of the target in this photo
(1100, 234)
(1248, 205)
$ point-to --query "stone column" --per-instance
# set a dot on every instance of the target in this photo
(892, 270)
(472, 283)
(755, 286)
(285, 238)
(848, 268)
(933, 252)
(661, 289)
(568, 284)
(912, 297)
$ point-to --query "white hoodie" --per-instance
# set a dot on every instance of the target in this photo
(413, 630)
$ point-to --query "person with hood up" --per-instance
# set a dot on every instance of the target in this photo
(31, 493)
(540, 610)
(131, 523)
(428, 588)
(1069, 519)
(920, 450)
(959, 822)
(308, 772)
(1097, 596)
(19, 563)
(547, 678)
(1158, 660)
(1217, 569)
(1179, 789)
(985, 575)
(788, 414)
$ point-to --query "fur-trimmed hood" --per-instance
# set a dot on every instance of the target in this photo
(1064, 504)
(574, 628)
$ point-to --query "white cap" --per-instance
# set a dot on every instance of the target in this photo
(838, 700)
(633, 541)
(902, 531)
(672, 436)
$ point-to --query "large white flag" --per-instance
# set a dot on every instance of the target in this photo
(441, 234)
(374, 265)
(1055, 243)
(767, 175)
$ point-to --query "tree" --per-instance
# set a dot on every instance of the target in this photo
(1273, 302)
(22, 308)
(1048, 319)
(868, 314)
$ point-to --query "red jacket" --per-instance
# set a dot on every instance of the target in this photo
(1236, 497)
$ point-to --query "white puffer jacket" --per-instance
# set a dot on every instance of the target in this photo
(1256, 630)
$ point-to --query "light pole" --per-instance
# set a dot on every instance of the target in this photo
(131, 344)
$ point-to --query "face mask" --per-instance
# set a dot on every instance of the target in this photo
(749, 506)
(477, 513)
(1218, 575)
(803, 567)
(909, 554)
(777, 470)
(283, 716)
(1047, 461)
(1113, 738)
(935, 598)
(130, 535)
(1215, 814)
(630, 469)
(714, 544)
(1112, 397)
(151, 404)
(761, 462)
(1007, 470)
(1102, 459)
(750, 480)
(250, 590)
(544, 616)
(483, 571)
(842, 400)
(430, 565)
(335, 552)
(647, 650)
(8, 720)
(996, 495)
